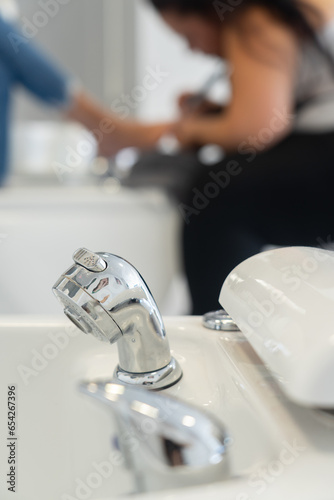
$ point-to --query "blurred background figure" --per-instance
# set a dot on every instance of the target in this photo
(275, 184)
(58, 195)
(23, 63)
(270, 112)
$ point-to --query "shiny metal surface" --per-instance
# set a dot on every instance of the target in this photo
(166, 443)
(89, 260)
(160, 379)
(115, 305)
(220, 320)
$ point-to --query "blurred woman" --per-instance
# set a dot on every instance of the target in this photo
(23, 63)
(275, 184)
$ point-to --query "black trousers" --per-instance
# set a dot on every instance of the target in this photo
(283, 196)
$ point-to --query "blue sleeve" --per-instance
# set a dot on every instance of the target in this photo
(31, 68)
(5, 85)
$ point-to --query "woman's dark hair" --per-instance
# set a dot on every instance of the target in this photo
(294, 13)
(291, 12)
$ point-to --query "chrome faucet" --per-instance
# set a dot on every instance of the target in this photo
(165, 442)
(104, 295)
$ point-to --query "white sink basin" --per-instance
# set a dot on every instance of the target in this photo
(65, 441)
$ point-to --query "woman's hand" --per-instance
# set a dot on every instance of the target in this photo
(185, 132)
(132, 134)
(196, 105)
(112, 133)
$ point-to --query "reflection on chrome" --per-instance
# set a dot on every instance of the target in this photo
(165, 442)
(104, 295)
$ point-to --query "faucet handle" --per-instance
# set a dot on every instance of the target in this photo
(167, 442)
(89, 260)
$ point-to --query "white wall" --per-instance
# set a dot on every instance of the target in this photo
(91, 39)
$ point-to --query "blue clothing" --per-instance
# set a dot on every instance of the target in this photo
(22, 63)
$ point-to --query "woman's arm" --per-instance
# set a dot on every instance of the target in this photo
(264, 57)
(111, 132)
(31, 68)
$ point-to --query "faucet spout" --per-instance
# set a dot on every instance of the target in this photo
(104, 295)
(165, 442)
